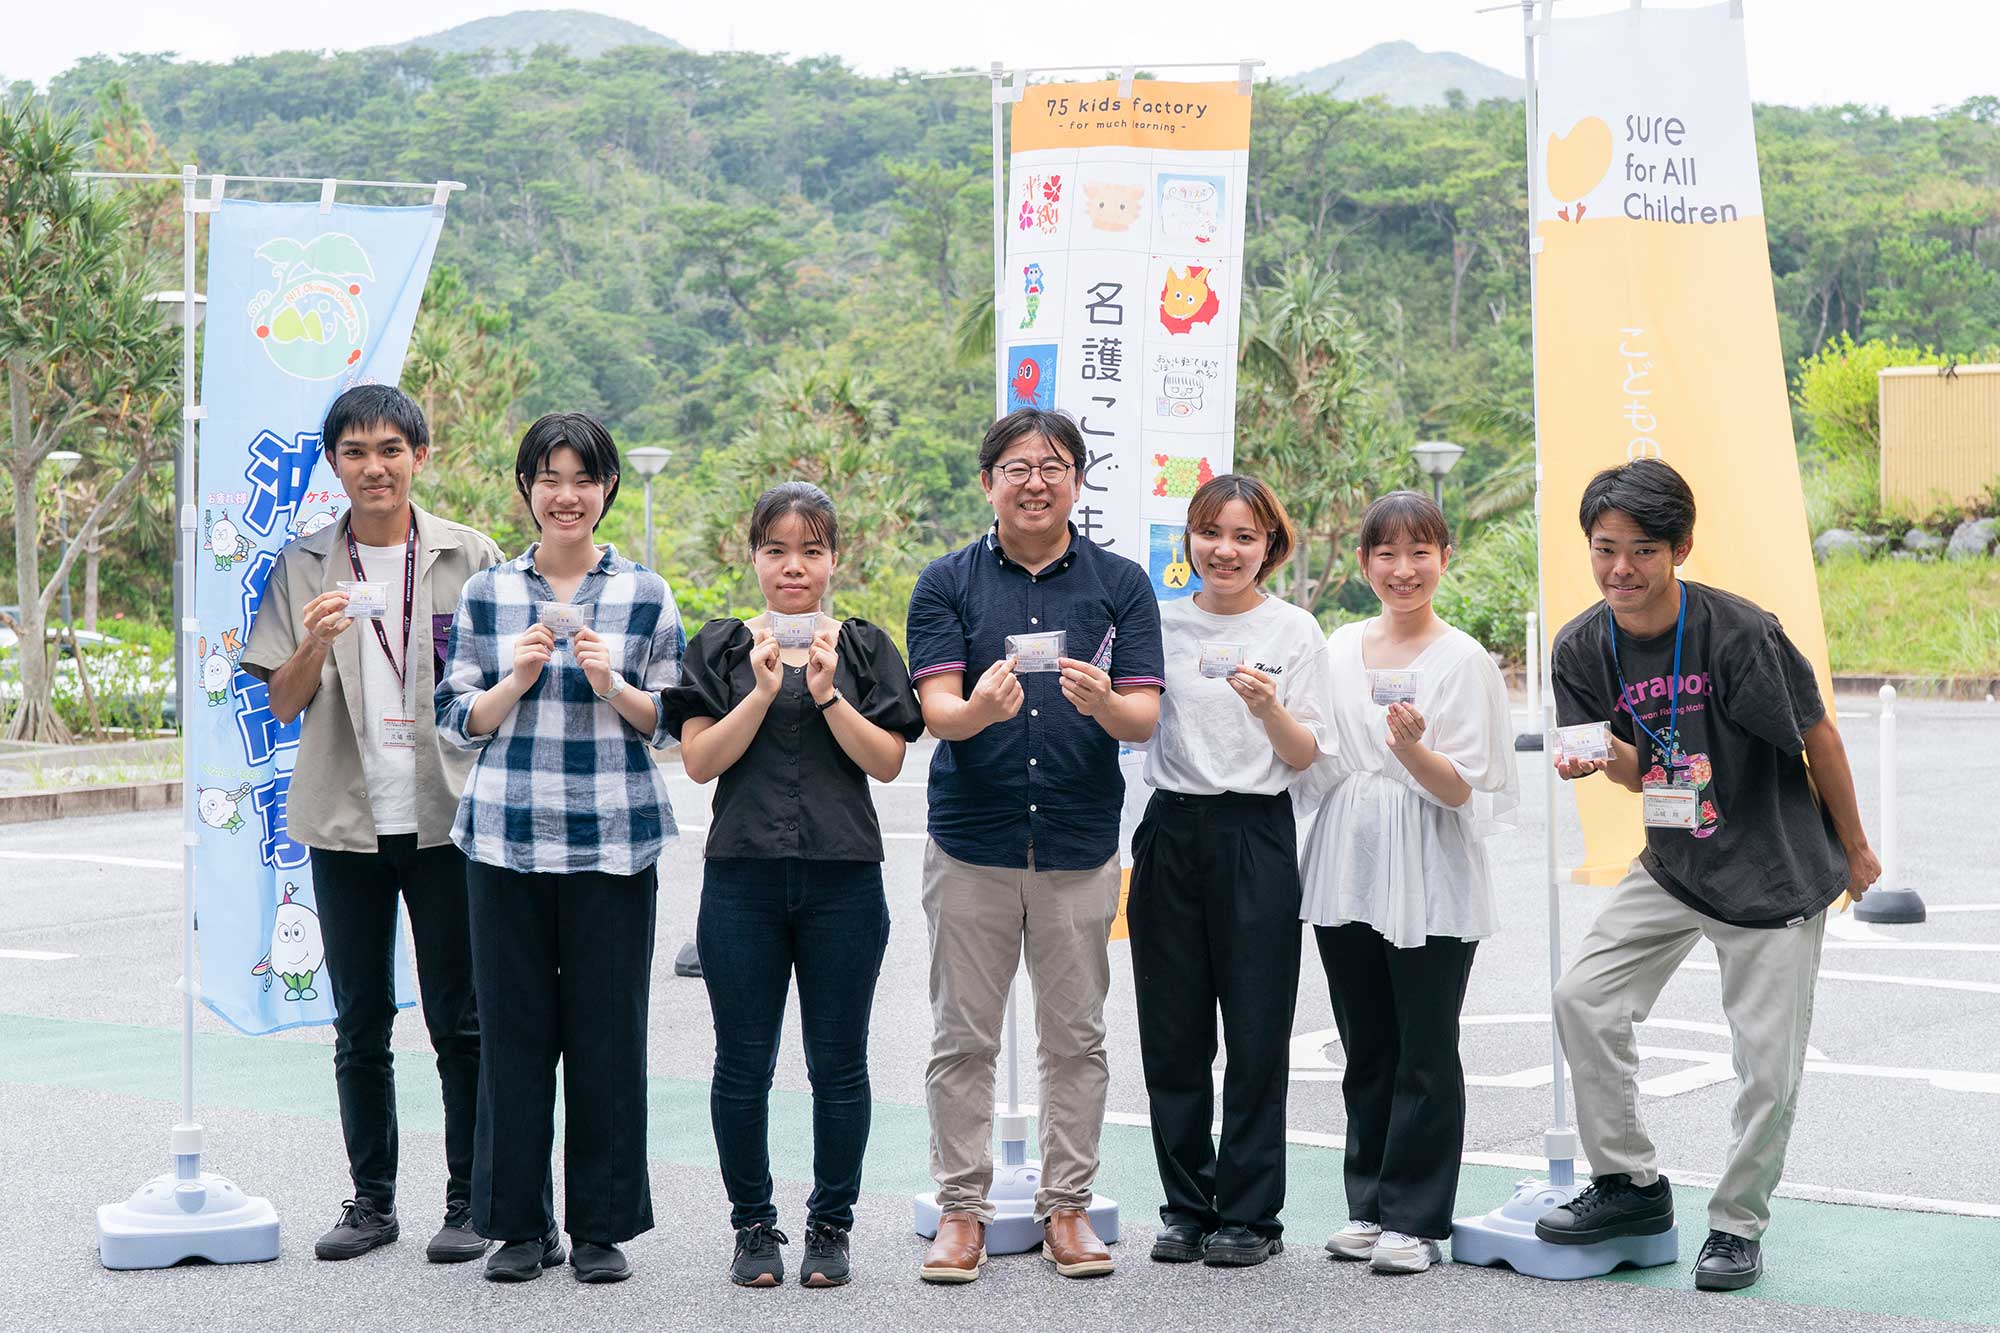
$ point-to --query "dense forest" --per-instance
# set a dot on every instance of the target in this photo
(772, 266)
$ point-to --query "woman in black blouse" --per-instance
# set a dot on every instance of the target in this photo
(794, 871)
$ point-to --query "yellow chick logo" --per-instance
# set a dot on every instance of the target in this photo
(1576, 162)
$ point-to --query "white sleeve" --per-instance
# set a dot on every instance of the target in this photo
(1470, 725)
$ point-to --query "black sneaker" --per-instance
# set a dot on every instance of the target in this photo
(1728, 1263)
(360, 1229)
(1240, 1247)
(1609, 1207)
(456, 1242)
(825, 1264)
(524, 1260)
(599, 1262)
(757, 1262)
(1178, 1243)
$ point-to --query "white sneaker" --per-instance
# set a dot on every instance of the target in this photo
(1356, 1240)
(1397, 1253)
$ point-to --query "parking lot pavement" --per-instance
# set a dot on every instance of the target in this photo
(1902, 1092)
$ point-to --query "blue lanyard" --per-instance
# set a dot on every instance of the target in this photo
(1673, 686)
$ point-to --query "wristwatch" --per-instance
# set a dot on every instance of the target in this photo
(617, 688)
(831, 700)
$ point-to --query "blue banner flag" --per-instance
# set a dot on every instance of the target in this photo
(303, 303)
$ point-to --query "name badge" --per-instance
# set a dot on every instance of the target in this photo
(1037, 652)
(1220, 660)
(563, 618)
(399, 733)
(1670, 807)
(1393, 687)
(792, 631)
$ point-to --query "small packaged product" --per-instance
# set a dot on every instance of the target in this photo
(563, 618)
(366, 601)
(1038, 652)
(1219, 660)
(1584, 742)
(1393, 686)
(792, 631)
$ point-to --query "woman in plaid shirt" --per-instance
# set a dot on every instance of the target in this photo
(558, 660)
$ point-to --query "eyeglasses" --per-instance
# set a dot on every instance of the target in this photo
(1017, 472)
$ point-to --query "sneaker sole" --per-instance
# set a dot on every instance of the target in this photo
(335, 1253)
(1727, 1281)
(822, 1280)
(1381, 1265)
(953, 1275)
(605, 1275)
(1651, 1226)
(761, 1280)
(1088, 1268)
(463, 1255)
(1357, 1254)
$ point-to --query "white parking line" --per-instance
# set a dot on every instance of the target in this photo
(91, 857)
(35, 955)
(1927, 983)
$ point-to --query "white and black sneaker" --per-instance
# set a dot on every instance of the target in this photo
(1397, 1253)
(1728, 1263)
(757, 1262)
(1355, 1241)
(1610, 1207)
(825, 1264)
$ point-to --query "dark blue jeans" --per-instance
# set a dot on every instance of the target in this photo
(761, 921)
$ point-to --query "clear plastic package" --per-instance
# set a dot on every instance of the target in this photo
(792, 631)
(1219, 660)
(366, 601)
(1393, 686)
(1038, 652)
(1586, 741)
(564, 618)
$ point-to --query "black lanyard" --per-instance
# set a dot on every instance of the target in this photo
(409, 593)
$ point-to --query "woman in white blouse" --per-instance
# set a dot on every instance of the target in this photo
(1396, 882)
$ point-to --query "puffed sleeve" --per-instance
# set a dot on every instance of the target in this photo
(1469, 724)
(703, 690)
(883, 681)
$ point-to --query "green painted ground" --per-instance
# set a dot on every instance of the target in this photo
(1881, 1261)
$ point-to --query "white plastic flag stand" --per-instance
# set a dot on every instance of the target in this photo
(1016, 1176)
(187, 1213)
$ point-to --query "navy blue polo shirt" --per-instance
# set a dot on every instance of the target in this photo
(1048, 776)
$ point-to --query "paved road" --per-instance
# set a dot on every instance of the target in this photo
(1903, 1092)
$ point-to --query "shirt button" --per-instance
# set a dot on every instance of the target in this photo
(1032, 763)
(1033, 808)
(1034, 620)
(1034, 712)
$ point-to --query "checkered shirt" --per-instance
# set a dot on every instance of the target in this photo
(565, 784)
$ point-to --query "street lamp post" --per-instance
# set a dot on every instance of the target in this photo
(648, 462)
(65, 461)
(175, 305)
(1436, 458)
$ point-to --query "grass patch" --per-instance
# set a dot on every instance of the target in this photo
(1896, 617)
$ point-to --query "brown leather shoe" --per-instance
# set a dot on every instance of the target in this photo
(1068, 1240)
(958, 1251)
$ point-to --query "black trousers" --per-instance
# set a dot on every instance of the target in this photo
(565, 963)
(356, 894)
(1397, 1010)
(1214, 920)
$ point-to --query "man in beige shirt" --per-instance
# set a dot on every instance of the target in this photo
(352, 631)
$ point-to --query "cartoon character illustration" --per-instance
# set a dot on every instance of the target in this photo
(1112, 207)
(217, 808)
(219, 667)
(1027, 376)
(1180, 394)
(1187, 299)
(1180, 478)
(1190, 209)
(230, 546)
(1178, 570)
(1031, 282)
(307, 524)
(1576, 162)
(297, 952)
(312, 323)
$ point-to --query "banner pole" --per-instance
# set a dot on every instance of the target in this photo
(998, 73)
(183, 676)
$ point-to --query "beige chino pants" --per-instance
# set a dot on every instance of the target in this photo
(980, 919)
(1640, 938)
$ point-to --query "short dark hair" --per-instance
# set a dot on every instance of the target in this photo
(1648, 492)
(1265, 507)
(1404, 516)
(367, 405)
(813, 506)
(583, 433)
(1056, 427)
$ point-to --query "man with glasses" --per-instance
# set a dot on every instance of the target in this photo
(1025, 794)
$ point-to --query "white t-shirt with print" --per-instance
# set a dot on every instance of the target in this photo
(1207, 742)
(391, 770)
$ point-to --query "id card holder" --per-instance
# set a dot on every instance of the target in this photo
(399, 733)
(1665, 806)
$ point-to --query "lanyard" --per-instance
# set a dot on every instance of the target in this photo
(1673, 686)
(409, 592)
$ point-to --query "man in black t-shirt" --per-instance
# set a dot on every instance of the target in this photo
(1752, 832)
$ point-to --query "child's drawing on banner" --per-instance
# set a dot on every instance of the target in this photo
(1191, 211)
(1031, 376)
(1167, 561)
(1189, 302)
(1178, 476)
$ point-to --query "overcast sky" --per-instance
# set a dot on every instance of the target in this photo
(1911, 57)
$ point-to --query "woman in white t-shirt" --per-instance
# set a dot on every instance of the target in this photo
(1214, 906)
(1397, 887)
